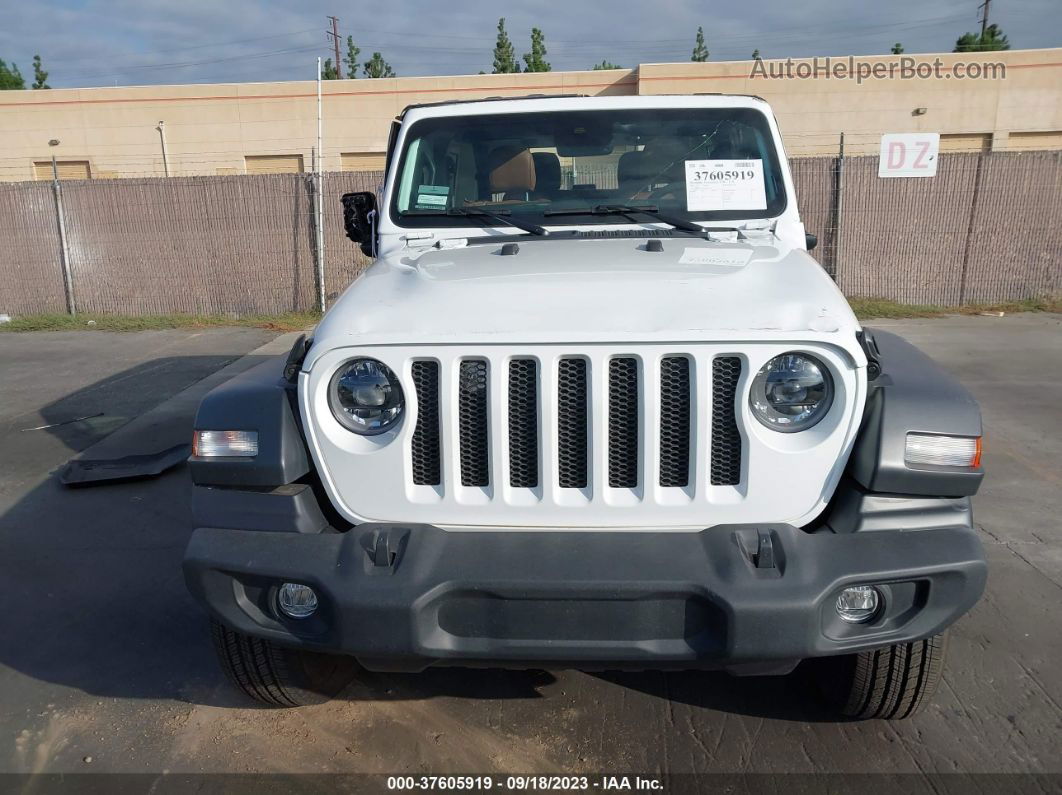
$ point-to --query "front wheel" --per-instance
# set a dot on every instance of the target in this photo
(891, 683)
(278, 675)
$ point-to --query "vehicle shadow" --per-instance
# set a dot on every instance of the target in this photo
(791, 697)
(96, 573)
(788, 697)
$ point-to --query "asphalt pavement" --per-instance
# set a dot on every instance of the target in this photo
(106, 665)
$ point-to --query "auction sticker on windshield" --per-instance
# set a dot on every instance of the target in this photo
(725, 185)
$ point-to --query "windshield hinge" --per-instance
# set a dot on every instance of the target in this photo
(418, 239)
(870, 350)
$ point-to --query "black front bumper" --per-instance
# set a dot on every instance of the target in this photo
(403, 597)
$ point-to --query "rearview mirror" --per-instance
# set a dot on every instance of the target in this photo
(358, 215)
(584, 139)
(810, 241)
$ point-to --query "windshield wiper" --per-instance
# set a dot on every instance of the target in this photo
(502, 216)
(629, 211)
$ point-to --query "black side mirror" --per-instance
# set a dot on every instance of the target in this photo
(810, 240)
(357, 208)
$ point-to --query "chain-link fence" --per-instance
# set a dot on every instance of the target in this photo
(987, 228)
(202, 245)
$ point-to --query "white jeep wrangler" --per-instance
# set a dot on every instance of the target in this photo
(594, 406)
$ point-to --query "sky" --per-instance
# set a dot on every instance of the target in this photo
(126, 42)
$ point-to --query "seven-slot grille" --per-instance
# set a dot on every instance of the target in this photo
(569, 390)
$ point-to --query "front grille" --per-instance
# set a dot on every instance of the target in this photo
(726, 439)
(623, 423)
(472, 399)
(675, 421)
(523, 424)
(580, 418)
(572, 424)
(426, 464)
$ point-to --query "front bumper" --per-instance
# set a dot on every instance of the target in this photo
(403, 597)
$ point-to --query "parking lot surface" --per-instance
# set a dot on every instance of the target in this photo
(106, 665)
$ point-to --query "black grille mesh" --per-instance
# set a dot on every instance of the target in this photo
(572, 423)
(675, 421)
(426, 462)
(623, 423)
(472, 422)
(523, 424)
(726, 441)
(573, 416)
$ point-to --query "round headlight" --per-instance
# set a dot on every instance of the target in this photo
(366, 397)
(791, 392)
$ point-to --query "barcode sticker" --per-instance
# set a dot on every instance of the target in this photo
(431, 196)
(725, 185)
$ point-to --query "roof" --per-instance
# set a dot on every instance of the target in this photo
(485, 106)
(441, 102)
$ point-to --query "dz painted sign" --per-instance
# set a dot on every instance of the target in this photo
(909, 155)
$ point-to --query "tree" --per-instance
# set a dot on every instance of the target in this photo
(10, 78)
(351, 60)
(536, 59)
(40, 77)
(328, 70)
(700, 50)
(992, 39)
(605, 65)
(378, 67)
(897, 48)
(756, 55)
(504, 55)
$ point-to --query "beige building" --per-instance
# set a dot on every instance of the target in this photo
(236, 128)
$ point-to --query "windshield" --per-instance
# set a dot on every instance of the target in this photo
(696, 163)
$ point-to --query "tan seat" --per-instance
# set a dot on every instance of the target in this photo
(512, 172)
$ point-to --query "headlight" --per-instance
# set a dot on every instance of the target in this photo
(791, 392)
(366, 397)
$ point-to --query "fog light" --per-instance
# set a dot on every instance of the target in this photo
(858, 604)
(225, 444)
(296, 601)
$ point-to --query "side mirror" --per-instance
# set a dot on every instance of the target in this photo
(810, 240)
(357, 208)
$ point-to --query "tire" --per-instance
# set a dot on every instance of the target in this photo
(277, 675)
(889, 684)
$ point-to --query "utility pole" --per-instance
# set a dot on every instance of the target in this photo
(64, 249)
(165, 155)
(984, 19)
(335, 45)
(838, 209)
(319, 203)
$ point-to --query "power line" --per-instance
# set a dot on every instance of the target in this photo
(95, 58)
(184, 64)
(570, 53)
(789, 31)
(641, 44)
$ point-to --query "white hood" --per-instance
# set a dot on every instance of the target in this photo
(596, 290)
(596, 298)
